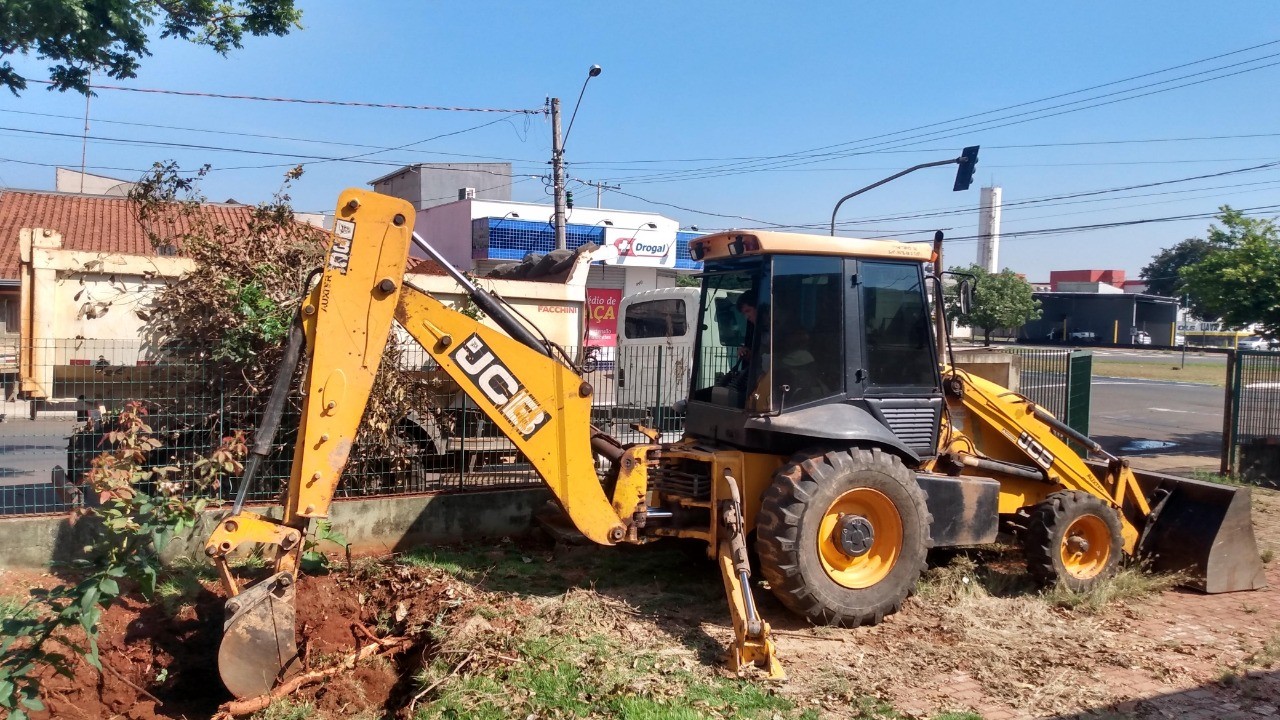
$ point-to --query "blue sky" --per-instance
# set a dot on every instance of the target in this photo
(689, 89)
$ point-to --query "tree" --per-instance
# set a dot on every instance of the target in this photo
(84, 36)
(1000, 300)
(1238, 281)
(1163, 272)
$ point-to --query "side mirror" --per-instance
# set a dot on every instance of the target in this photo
(964, 294)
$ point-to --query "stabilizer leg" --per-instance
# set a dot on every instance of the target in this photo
(752, 642)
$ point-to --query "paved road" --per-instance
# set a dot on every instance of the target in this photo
(1162, 356)
(1187, 414)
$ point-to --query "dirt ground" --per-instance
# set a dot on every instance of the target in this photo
(974, 639)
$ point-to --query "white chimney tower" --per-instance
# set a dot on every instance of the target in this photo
(989, 230)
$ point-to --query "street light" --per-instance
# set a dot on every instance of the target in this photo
(593, 71)
(557, 155)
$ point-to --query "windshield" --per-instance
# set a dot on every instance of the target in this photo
(729, 311)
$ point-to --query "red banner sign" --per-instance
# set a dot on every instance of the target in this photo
(602, 317)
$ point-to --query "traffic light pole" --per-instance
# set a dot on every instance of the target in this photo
(964, 176)
(557, 173)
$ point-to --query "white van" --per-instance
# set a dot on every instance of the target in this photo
(656, 333)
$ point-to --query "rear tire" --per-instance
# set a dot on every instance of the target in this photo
(1073, 540)
(813, 540)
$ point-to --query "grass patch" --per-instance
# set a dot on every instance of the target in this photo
(969, 577)
(577, 656)
(182, 583)
(1131, 583)
(1161, 370)
(12, 606)
(1213, 477)
(662, 572)
(1268, 656)
(287, 709)
(1267, 556)
(976, 574)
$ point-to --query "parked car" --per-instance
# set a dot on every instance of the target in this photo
(1077, 336)
(1257, 342)
(1141, 337)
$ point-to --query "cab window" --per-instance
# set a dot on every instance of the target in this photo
(896, 323)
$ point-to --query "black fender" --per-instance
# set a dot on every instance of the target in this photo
(841, 423)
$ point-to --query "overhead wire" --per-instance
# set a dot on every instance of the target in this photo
(305, 101)
(810, 157)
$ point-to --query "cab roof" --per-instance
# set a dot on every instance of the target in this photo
(746, 243)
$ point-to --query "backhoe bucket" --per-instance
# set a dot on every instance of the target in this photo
(1203, 530)
(258, 646)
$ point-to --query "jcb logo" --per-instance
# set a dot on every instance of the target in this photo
(1037, 452)
(500, 386)
(340, 254)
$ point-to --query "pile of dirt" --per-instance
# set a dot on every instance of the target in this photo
(160, 665)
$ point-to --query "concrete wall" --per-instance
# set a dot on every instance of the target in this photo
(371, 525)
(1000, 368)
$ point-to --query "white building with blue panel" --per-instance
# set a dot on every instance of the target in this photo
(639, 251)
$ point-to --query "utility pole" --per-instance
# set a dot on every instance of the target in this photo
(557, 155)
(600, 188)
(557, 173)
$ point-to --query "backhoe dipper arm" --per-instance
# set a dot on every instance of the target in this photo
(538, 402)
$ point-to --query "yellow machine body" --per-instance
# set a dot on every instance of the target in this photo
(835, 522)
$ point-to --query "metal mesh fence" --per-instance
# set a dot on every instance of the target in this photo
(51, 429)
(51, 423)
(1257, 396)
(1060, 381)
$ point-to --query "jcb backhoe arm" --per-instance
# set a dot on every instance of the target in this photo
(542, 405)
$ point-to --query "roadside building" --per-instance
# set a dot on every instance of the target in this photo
(1109, 318)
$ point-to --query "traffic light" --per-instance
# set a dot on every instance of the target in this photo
(968, 163)
(568, 199)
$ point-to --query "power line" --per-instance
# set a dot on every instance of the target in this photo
(262, 136)
(380, 150)
(301, 101)
(1105, 226)
(604, 164)
(812, 156)
(1068, 196)
(214, 148)
(955, 210)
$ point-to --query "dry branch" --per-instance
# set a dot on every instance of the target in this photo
(249, 706)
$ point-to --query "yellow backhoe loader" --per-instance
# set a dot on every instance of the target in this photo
(822, 425)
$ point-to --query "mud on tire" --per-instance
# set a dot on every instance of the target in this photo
(800, 560)
(1073, 539)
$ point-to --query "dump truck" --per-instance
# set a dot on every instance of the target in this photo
(833, 435)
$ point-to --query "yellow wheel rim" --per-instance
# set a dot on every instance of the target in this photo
(866, 568)
(1086, 547)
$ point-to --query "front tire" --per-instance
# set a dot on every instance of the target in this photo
(842, 535)
(1074, 540)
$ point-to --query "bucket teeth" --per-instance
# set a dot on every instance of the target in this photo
(258, 647)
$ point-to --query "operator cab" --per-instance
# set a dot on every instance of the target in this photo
(807, 337)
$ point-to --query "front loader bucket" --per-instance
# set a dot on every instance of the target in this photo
(1203, 530)
(258, 647)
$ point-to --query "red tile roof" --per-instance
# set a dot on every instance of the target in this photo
(92, 223)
